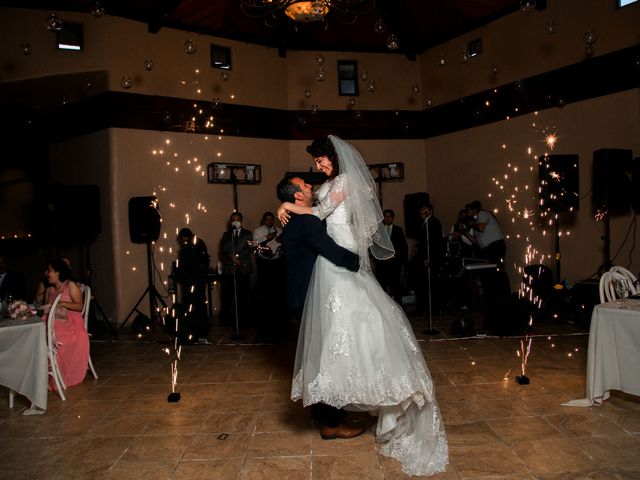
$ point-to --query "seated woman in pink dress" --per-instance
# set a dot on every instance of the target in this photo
(70, 332)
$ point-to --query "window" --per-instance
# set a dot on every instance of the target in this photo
(348, 77)
(69, 37)
(220, 57)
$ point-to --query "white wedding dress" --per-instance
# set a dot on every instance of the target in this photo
(357, 350)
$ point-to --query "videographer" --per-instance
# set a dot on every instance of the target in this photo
(189, 272)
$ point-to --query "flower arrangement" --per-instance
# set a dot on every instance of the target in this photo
(19, 310)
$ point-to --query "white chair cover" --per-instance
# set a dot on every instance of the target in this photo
(608, 282)
(54, 370)
(86, 295)
(632, 281)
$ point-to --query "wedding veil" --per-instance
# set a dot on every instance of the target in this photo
(361, 200)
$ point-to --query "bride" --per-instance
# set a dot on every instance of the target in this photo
(356, 348)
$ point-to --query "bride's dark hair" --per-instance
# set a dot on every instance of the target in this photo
(322, 147)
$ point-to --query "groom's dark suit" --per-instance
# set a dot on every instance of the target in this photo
(303, 239)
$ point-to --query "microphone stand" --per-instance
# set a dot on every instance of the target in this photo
(430, 330)
(237, 335)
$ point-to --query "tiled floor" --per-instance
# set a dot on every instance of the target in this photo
(235, 419)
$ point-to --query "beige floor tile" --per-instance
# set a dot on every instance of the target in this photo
(554, 455)
(225, 469)
(486, 461)
(237, 403)
(583, 423)
(216, 446)
(229, 423)
(471, 434)
(157, 447)
(125, 470)
(282, 468)
(613, 451)
(347, 467)
(293, 419)
(513, 430)
(280, 444)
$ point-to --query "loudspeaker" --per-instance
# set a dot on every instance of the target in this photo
(559, 183)
(412, 220)
(635, 185)
(75, 213)
(612, 180)
(144, 219)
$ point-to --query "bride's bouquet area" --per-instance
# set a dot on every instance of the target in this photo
(19, 310)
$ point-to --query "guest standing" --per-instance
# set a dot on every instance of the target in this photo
(237, 266)
(389, 273)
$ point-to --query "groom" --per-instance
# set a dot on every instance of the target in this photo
(303, 239)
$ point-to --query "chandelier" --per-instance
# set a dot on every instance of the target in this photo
(306, 11)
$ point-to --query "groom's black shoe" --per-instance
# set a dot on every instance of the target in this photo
(341, 431)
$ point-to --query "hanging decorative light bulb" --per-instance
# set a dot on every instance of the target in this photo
(53, 23)
(379, 26)
(216, 103)
(493, 69)
(321, 74)
(190, 47)
(148, 64)
(371, 87)
(352, 102)
(364, 75)
(320, 59)
(416, 88)
(315, 109)
(527, 5)
(25, 48)
(442, 61)
(307, 93)
(392, 42)
(550, 27)
(225, 75)
(429, 102)
(126, 82)
(590, 38)
(97, 10)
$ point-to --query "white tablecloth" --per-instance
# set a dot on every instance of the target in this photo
(23, 358)
(613, 359)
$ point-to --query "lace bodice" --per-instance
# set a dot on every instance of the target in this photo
(331, 207)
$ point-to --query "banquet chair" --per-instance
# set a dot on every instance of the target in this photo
(54, 370)
(607, 287)
(632, 281)
(86, 295)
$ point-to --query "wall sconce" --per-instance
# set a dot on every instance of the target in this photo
(386, 172)
(234, 174)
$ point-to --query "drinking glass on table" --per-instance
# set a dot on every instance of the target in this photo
(622, 290)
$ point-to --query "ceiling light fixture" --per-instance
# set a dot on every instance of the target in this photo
(306, 11)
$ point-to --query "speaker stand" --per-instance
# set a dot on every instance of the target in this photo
(556, 225)
(94, 299)
(154, 296)
(606, 254)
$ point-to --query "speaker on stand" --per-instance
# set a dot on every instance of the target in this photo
(611, 190)
(144, 227)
